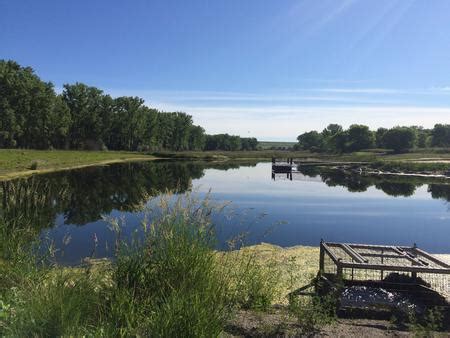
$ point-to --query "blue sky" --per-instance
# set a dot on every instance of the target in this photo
(270, 69)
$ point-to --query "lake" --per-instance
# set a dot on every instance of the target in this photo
(69, 207)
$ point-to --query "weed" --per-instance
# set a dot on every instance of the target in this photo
(34, 165)
(427, 326)
(312, 313)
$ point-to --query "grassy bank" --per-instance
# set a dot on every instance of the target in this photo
(171, 282)
(15, 162)
(268, 154)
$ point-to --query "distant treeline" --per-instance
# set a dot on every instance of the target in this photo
(358, 137)
(32, 115)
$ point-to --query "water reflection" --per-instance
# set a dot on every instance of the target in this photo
(75, 201)
(83, 196)
(392, 186)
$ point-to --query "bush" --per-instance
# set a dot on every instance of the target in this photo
(312, 313)
(34, 165)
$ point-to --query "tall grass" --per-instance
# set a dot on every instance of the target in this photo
(170, 282)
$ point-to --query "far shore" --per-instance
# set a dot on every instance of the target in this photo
(15, 163)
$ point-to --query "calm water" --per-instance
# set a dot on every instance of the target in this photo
(312, 206)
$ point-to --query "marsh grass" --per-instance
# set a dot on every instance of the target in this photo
(313, 312)
(170, 282)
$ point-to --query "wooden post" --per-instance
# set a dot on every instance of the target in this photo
(273, 160)
(322, 257)
(353, 270)
(340, 274)
(382, 261)
(414, 274)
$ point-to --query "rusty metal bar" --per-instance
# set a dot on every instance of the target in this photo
(410, 257)
(332, 255)
(353, 254)
(432, 258)
(403, 268)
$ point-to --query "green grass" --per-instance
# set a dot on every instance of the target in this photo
(14, 162)
(410, 166)
(170, 283)
(234, 155)
(270, 145)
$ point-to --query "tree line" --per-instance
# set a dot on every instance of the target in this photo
(33, 115)
(358, 137)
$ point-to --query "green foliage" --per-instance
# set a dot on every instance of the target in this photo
(310, 141)
(359, 137)
(312, 313)
(255, 285)
(399, 138)
(429, 325)
(34, 165)
(408, 166)
(83, 117)
(230, 143)
(334, 139)
(55, 303)
(441, 135)
(170, 283)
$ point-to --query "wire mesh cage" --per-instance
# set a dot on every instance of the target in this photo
(385, 263)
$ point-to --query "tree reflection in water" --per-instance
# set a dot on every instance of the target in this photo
(84, 195)
(392, 186)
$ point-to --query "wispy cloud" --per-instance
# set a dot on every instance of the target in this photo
(289, 121)
(362, 90)
(445, 89)
(284, 114)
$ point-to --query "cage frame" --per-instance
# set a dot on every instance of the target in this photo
(357, 260)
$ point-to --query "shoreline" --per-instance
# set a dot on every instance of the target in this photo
(15, 163)
(25, 173)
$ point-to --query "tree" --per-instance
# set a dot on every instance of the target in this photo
(359, 137)
(60, 121)
(330, 141)
(399, 138)
(249, 143)
(310, 140)
(440, 135)
(128, 123)
(83, 117)
(87, 115)
(26, 104)
(379, 134)
(197, 138)
(332, 129)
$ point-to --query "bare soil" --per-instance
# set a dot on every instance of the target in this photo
(278, 323)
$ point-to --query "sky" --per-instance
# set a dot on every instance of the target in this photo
(268, 69)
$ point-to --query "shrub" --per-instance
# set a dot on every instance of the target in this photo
(312, 313)
(34, 165)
